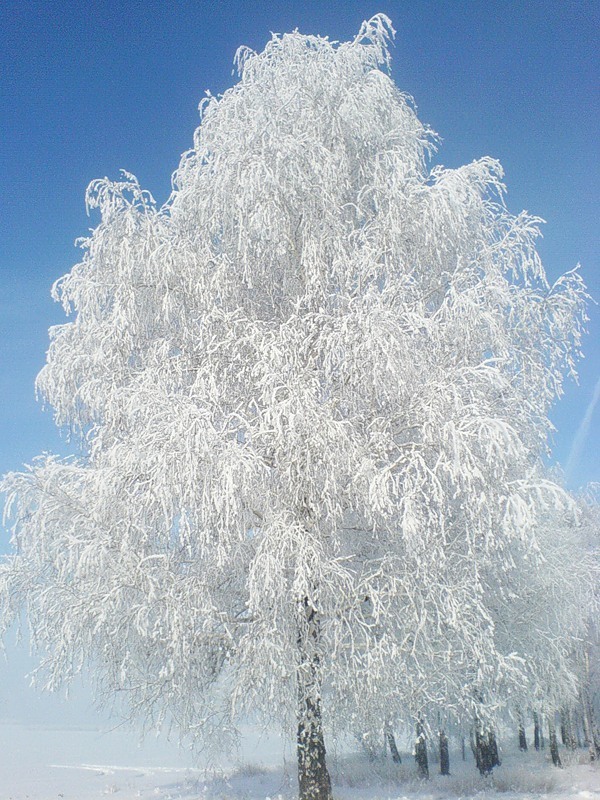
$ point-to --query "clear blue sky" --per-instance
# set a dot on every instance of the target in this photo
(89, 88)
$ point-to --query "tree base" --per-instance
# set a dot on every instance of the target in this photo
(314, 782)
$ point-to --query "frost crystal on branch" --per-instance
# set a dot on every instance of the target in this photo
(313, 391)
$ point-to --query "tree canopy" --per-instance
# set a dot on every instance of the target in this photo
(312, 390)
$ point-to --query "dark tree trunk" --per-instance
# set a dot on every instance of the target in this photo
(444, 755)
(586, 727)
(566, 728)
(391, 742)
(536, 731)
(590, 725)
(313, 777)
(522, 738)
(485, 750)
(590, 731)
(493, 745)
(577, 725)
(481, 751)
(463, 748)
(553, 744)
(421, 751)
(563, 732)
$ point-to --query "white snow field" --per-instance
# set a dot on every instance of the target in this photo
(45, 763)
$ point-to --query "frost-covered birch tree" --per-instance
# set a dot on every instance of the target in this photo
(312, 393)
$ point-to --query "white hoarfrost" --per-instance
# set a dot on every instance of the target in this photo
(312, 391)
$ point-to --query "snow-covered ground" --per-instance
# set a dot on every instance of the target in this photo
(45, 763)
